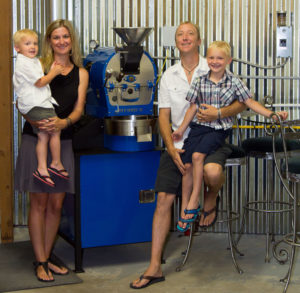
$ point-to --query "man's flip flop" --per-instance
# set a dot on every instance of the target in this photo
(207, 213)
(58, 172)
(42, 178)
(152, 280)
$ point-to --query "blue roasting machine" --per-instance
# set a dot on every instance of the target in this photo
(122, 89)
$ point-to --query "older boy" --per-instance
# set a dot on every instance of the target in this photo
(218, 88)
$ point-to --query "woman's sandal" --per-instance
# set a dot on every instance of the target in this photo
(44, 264)
(55, 263)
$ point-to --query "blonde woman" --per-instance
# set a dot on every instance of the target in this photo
(69, 90)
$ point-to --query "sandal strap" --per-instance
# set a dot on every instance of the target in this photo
(44, 264)
(42, 176)
(184, 220)
(54, 262)
(149, 278)
(207, 213)
(193, 211)
(214, 209)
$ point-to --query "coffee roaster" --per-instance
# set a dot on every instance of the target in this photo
(122, 88)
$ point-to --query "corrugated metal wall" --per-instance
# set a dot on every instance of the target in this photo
(248, 25)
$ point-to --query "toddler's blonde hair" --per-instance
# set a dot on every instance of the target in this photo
(20, 34)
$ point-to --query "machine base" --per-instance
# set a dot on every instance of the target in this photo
(106, 209)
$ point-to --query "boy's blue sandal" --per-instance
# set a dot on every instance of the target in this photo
(191, 220)
(179, 228)
(193, 212)
(207, 213)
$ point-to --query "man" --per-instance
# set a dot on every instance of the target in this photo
(174, 86)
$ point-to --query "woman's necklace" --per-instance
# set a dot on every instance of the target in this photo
(189, 70)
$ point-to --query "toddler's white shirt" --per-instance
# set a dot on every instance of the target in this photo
(27, 72)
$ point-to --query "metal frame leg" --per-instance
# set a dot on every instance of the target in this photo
(268, 216)
(270, 236)
(293, 242)
(232, 245)
(187, 251)
(247, 196)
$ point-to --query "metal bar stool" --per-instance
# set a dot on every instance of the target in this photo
(237, 158)
(288, 172)
(261, 148)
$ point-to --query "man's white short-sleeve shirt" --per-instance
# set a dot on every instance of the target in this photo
(173, 90)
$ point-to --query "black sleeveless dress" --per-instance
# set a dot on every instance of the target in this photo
(64, 89)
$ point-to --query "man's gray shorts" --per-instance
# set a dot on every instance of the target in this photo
(168, 177)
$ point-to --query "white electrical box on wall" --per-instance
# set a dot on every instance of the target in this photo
(168, 36)
(284, 44)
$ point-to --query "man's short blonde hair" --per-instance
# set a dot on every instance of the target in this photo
(20, 34)
(196, 27)
(222, 45)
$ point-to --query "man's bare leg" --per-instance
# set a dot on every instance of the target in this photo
(160, 229)
(214, 179)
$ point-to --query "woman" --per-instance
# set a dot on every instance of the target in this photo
(69, 90)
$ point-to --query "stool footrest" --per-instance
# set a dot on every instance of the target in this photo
(223, 219)
(288, 206)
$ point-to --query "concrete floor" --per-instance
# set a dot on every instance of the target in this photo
(209, 267)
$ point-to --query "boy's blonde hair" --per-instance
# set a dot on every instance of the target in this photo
(47, 52)
(222, 45)
(20, 34)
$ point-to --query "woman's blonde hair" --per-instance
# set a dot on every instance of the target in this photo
(222, 45)
(47, 51)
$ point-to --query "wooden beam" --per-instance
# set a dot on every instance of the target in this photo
(6, 123)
